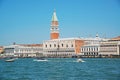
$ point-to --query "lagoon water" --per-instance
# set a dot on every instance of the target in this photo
(61, 69)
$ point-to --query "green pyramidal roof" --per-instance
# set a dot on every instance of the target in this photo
(54, 17)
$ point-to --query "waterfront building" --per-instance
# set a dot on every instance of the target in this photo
(23, 50)
(1, 49)
(62, 47)
(111, 47)
(90, 50)
(115, 39)
(9, 50)
(92, 46)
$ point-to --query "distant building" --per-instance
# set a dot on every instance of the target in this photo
(23, 50)
(111, 47)
(92, 46)
(90, 50)
(115, 39)
(62, 47)
(9, 50)
(1, 49)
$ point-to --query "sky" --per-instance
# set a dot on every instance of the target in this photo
(28, 21)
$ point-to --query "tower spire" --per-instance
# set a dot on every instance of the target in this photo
(54, 17)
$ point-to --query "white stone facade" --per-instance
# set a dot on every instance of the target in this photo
(23, 50)
(92, 46)
(90, 50)
(60, 47)
(110, 48)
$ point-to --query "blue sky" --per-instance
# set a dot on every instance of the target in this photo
(28, 21)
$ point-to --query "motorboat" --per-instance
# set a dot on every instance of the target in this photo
(10, 60)
(80, 60)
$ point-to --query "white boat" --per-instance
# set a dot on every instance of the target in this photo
(10, 60)
(80, 60)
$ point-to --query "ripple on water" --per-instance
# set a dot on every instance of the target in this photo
(61, 69)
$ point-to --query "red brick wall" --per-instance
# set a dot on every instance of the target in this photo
(78, 44)
(54, 35)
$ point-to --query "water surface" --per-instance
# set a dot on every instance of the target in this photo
(61, 69)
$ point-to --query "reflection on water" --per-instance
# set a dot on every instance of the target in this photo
(61, 69)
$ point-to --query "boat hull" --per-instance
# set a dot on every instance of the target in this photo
(10, 60)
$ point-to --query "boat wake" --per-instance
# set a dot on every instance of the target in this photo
(45, 60)
(40, 60)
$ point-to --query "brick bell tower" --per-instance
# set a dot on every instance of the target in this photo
(54, 34)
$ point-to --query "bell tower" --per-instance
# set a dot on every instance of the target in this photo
(54, 34)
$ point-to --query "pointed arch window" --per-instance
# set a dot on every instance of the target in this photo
(72, 45)
(67, 45)
(62, 45)
(50, 45)
(54, 45)
(58, 46)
